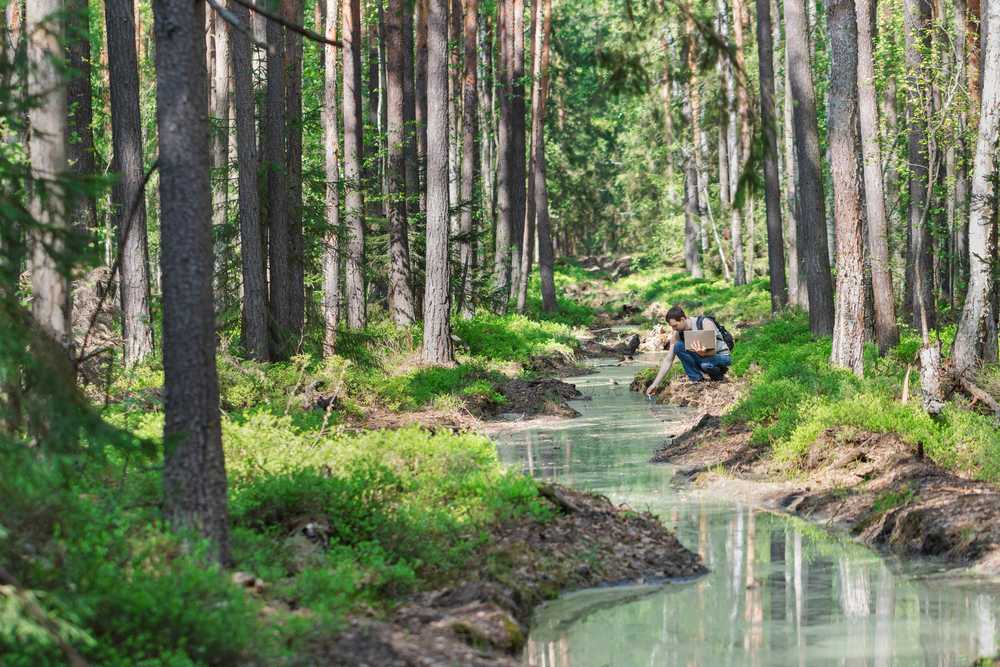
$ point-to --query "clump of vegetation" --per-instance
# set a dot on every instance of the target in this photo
(387, 513)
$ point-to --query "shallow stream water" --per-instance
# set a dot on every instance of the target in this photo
(780, 591)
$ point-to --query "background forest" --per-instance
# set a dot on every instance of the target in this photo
(246, 246)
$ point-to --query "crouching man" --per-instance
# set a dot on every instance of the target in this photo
(700, 362)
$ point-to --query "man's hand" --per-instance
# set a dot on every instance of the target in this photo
(700, 350)
(652, 390)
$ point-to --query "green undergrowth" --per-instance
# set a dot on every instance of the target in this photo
(331, 523)
(795, 395)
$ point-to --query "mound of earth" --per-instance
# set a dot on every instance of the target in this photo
(714, 398)
(539, 397)
(481, 620)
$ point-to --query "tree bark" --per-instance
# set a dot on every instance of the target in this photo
(437, 346)
(886, 332)
(294, 12)
(518, 196)
(976, 339)
(504, 230)
(127, 196)
(470, 159)
(772, 194)
(797, 293)
(811, 232)
(275, 130)
(697, 136)
(218, 109)
(354, 200)
(455, 69)
(960, 195)
(194, 473)
(528, 238)
(331, 143)
(849, 319)
(410, 164)
(255, 338)
(80, 146)
(921, 285)
(420, 88)
(400, 295)
(50, 289)
(743, 155)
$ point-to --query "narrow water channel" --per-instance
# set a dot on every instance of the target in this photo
(780, 591)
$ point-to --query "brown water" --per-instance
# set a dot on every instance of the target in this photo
(780, 591)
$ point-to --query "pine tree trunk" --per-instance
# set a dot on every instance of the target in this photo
(546, 258)
(80, 146)
(960, 195)
(849, 319)
(976, 339)
(742, 157)
(50, 289)
(921, 284)
(697, 136)
(518, 196)
(218, 109)
(410, 164)
(277, 192)
(455, 54)
(772, 194)
(502, 244)
(255, 339)
(400, 295)
(128, 201)
(331, 144)
(811, 231)
(528, 239)
(797, 293)
(437, 347)
(420, 87)
(194, 473)
(470, 159)
(886, 332)
(354, 200)
(294, 12)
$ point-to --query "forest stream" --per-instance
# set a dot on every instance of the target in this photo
(780, 591)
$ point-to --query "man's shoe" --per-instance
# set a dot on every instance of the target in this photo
(715, 374)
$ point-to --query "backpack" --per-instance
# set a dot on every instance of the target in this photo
(726, 336)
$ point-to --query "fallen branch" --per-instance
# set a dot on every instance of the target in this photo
(980, 394)
(559, 498)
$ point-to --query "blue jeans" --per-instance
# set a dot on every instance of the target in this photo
(694, 364)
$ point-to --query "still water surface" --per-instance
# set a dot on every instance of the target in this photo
(780, 591)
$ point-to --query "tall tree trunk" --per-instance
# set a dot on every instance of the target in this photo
(470, 158)
(194, 472)
(811, 232)
(921, 286)
(437, 347)
(331, 143)
(976, 337)
(410, 164)
(545, 254)
(797, 293)
(743, 155)
(354, 201)
(849, 322)
(400, 295)
(294, 13)
(502, 240)
(772, 194)
(50, 288)
(218, 109)
(255, 338)
(528, 238)
(81, 154)
(886, 332)
(455, 68)
(697, 136)
(486, 125)
(518, 196)
(277, 193)
(960, 195)
(127, 196)
(420, 89)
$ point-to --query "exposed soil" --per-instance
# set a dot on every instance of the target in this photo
(713, 398)
(481, 619)
(873, 485)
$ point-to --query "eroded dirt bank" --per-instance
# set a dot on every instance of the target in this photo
(481, 620)
(878, 488)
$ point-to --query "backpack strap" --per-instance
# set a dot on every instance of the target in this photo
(698, 322)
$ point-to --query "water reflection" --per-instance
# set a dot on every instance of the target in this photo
(780, 591)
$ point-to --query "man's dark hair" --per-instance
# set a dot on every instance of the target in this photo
(676, 313)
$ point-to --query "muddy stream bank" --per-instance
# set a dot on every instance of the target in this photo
(780, 591)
